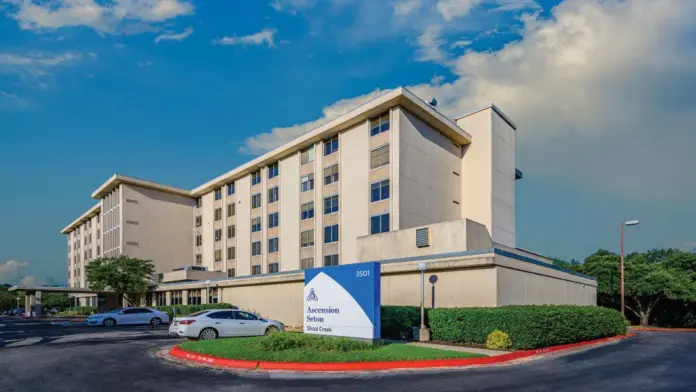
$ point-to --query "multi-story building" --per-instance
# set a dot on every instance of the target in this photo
(390, 166)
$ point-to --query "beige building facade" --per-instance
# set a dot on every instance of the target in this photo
(362, 187)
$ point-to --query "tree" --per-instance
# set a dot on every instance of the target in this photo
(649, 279)
(59, 301)
(124, 275)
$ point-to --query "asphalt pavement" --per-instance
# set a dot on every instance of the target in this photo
(40, 356)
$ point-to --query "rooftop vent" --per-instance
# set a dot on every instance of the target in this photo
(423, 237)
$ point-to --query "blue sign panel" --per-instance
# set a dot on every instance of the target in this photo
(343, 301)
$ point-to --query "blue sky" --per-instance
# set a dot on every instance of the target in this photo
(179, 92)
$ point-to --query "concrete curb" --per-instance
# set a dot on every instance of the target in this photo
(202, 359)
(658, 329)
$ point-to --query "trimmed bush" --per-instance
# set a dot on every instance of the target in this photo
(79, 311)
(498, 340)
(183, 310)
(529, 326)
(397, 322)
(288, 341)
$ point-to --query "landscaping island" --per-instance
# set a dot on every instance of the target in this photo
(296, 347)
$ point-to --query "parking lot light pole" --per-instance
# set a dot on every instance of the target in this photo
(423, 333)
(623, 300)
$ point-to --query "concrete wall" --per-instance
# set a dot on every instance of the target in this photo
(157, 226)
(429, 174)
(488, 174)
(289, 213)
(354, 193)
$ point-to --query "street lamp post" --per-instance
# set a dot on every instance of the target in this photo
(424, 333)
(623, 300)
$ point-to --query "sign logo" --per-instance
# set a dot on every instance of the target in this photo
(312, 296)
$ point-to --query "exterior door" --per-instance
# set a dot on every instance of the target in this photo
(250, 325)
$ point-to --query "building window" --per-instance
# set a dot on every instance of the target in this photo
(307, 238)
(218, 194)
(212, 295)
(218, 235)
(273, 245)
(231, 273)
(255, 224)
(176, 297)
(199, 240)
(331, 145)
(231, 210)
(273, 170)
(98, 233)
(98, 250)
(231, 231)
(194, 297)
(199, 202)
(379, 190)
(199, 259)
(218, 255)
(307, 155)
(330, 234)
(379, 124)
(307, 183)
(231, 253)
(273, 195)
(307, 210)
(256, 248)
(272, 267)
(161, 298)
(307, 263)
(330, 204)
(198, 221)
(330, 260)
(230, 189)
(331, 174)
(256, 177)
(256, 201)
(379, 224)
(256, 270)
(379, 157)
(273, 220)
(218, 214)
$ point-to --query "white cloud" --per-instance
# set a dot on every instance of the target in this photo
(406, 7)
(169, 36)
(603, 103)
(451, 9)
(36, 64)
(461, 43)
(104, 17)
(277, 136)
(12, 100)
(263, 37)
(514, 5)
(430, 45)
(12, 271)
(292, 5)
(145, 64)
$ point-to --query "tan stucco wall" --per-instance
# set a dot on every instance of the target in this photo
(517, 287)
(157, 226)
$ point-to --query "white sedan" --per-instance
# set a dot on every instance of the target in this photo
(211, 324)
(129, 316)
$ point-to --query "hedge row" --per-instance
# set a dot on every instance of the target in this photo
(397, 322)
(529, 326)
(79, 311)
(183, 310)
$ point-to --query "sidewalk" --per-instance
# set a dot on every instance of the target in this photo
(482, 351)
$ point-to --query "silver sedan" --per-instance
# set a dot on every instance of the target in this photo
(213, 324)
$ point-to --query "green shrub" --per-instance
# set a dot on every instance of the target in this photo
(289, 341)
(78, 311)
(498, 340)
(529, 326)
(397, 322)
(183, 310)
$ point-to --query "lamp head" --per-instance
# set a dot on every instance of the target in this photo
(631, 223)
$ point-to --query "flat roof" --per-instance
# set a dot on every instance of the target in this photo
(399, 96)
(82, 219)
(495, 109)
(118, 179)
(50, 289)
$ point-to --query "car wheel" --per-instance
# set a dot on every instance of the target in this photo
(109, 322)
(156, 321)
(271, 329)
(208, 334)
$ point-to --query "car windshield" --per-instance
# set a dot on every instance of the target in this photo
(115, 310)
(196, 314)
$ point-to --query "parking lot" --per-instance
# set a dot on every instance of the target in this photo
(41, 356)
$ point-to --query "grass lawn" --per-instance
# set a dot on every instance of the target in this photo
(251, 349)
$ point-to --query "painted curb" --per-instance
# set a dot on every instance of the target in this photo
(190, 356)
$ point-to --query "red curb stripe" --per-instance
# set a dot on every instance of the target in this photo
(381, 365)
(658, 329)
(210, 360)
